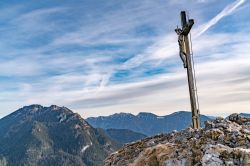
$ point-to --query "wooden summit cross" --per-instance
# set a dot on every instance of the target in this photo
(185, 55)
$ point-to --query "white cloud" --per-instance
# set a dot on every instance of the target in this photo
(55, 72)
(221, 82)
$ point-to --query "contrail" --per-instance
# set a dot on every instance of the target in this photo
(225, 12)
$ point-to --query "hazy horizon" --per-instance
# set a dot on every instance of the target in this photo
(135, 113)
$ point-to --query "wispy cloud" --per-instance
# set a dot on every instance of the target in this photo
(165, 47)
(104, 58)
(229, 9)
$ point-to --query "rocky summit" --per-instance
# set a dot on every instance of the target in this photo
(220, 142)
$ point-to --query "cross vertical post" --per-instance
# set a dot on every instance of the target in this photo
(185, 55)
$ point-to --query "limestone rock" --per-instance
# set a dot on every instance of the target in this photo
(221, 142)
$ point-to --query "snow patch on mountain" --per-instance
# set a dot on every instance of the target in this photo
(86, 147)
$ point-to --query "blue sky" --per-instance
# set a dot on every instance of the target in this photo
(99, 57)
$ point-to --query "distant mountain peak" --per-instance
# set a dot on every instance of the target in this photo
(55, 107)
(33, 106)
(122, 114)
(180, 112)
(29, 109)
(146, 114)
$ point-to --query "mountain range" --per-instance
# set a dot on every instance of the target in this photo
(145, 123)
(37, 135)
